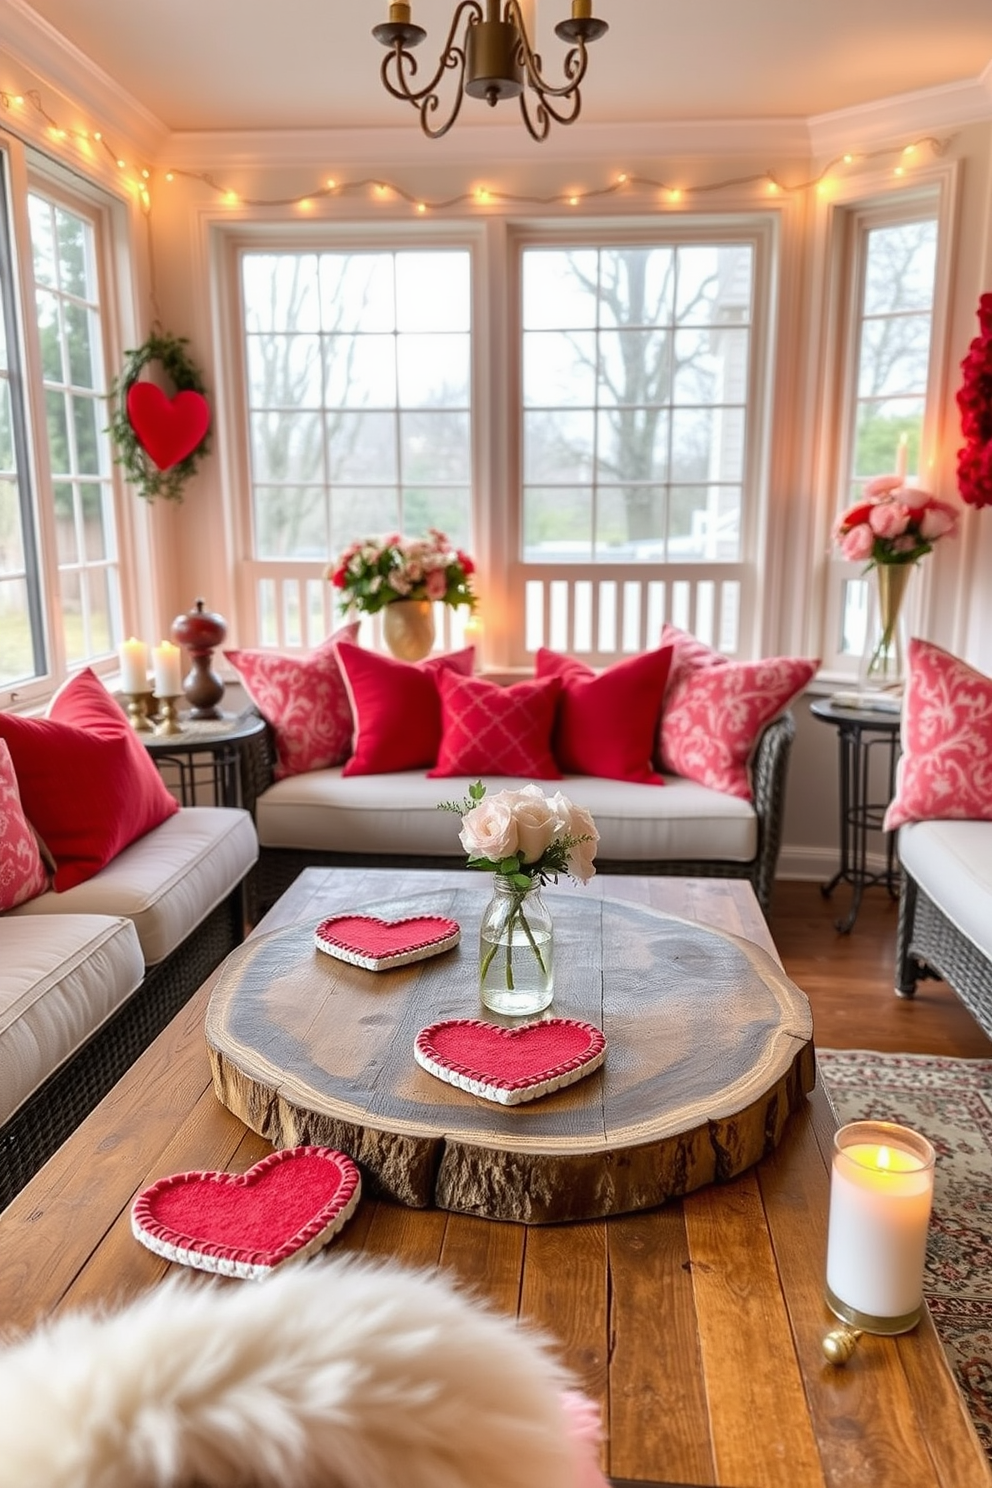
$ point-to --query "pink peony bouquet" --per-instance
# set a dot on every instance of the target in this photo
(893, 523)
(378, 571)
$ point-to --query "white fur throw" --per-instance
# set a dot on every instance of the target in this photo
(337, 1374)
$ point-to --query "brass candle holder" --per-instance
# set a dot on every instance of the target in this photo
(167, 721)
(137, 711)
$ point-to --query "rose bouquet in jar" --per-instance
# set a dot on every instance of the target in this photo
(526, 840)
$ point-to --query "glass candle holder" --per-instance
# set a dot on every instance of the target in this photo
(881, 1193)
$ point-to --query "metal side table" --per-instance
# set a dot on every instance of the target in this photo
(206, 754)
(861, 733)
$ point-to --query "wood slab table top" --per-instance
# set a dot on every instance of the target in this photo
(709, 1051)
(696, 1326)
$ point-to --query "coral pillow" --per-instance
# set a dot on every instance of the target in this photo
(607, 721)
(23, 875)
(396, 708)
(715, 710)
(87, 783)
(946, 766)
(493, 730)
(304, 700)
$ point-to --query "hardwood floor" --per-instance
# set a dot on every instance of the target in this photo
(849, 978)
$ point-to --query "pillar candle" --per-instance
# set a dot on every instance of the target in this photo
(168, 677)
(134, 666)
(881, 1191)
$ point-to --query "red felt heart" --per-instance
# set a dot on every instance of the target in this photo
(169, 429)
(510, 1065)
(245, 1224)
(365, 940)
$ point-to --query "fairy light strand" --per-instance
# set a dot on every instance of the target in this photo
(670, 192)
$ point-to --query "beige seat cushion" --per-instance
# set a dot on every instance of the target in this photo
(59, 983)
(398, 814)
(167, 881)
(952, 862)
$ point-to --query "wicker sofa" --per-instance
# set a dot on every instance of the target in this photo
(945, 911)
(323, 818)
(90, 975)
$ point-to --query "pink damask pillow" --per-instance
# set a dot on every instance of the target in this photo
(715, 710)
(304, 700)
(22, 873)
(492, 730)
(945, 770)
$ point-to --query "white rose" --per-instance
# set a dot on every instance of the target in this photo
(538, 822)
(489, 829)
(578, 823)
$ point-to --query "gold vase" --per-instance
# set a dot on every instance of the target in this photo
(408, 628)
(883, 665)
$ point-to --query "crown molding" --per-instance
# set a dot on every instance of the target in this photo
(948, 107)
(491, 145)
(34, 44)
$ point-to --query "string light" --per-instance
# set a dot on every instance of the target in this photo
(482, 196)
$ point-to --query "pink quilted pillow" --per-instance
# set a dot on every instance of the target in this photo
(492, 730)
(946, 765)
(715, 710)
(304, 700)
(22, 873)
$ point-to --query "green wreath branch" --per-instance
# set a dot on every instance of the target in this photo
(141, 470)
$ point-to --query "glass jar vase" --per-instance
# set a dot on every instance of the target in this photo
(516, 951)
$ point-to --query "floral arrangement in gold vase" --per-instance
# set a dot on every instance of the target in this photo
(890, 529)
(404, 577)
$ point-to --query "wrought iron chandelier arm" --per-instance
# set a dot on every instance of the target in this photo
(403, 63)
(574, 66)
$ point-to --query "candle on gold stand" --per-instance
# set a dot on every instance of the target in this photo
(168, 720)
(137, 711)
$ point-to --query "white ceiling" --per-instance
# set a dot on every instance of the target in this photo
(313, 64)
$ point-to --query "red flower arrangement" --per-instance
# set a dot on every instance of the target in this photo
(893, 523)
(975, 402)
(381, 570)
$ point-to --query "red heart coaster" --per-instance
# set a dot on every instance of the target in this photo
(376, 944)
(168, 428)
(510, 1065)
(246, 1224)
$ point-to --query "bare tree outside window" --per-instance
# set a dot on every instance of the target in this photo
(359, 396)
(635, 395)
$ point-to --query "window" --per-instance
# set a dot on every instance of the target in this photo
(60, 584)
(892, 264)
(359, 409)
(606, 476)
(639, 429)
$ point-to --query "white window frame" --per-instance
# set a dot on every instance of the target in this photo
(496, 245)
(932, 194)
(29, 171)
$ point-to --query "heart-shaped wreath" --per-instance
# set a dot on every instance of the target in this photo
(975, 402)
(159, 439)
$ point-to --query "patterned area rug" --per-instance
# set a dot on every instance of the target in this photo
(950, 1101)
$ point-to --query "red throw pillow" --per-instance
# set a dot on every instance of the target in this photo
(396, 708)
(945, 770)
(23, 875)
(607, 721)
(715, 710)
(304, 700)
(493, 730)
(87, 783)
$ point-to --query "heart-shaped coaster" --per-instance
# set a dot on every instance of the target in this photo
(246, 1224)
(510, 1065)
(376, 944)
(168, 429)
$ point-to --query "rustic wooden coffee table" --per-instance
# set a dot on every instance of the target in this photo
(697, 1326)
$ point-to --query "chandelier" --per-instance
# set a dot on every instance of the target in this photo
(493, 58)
